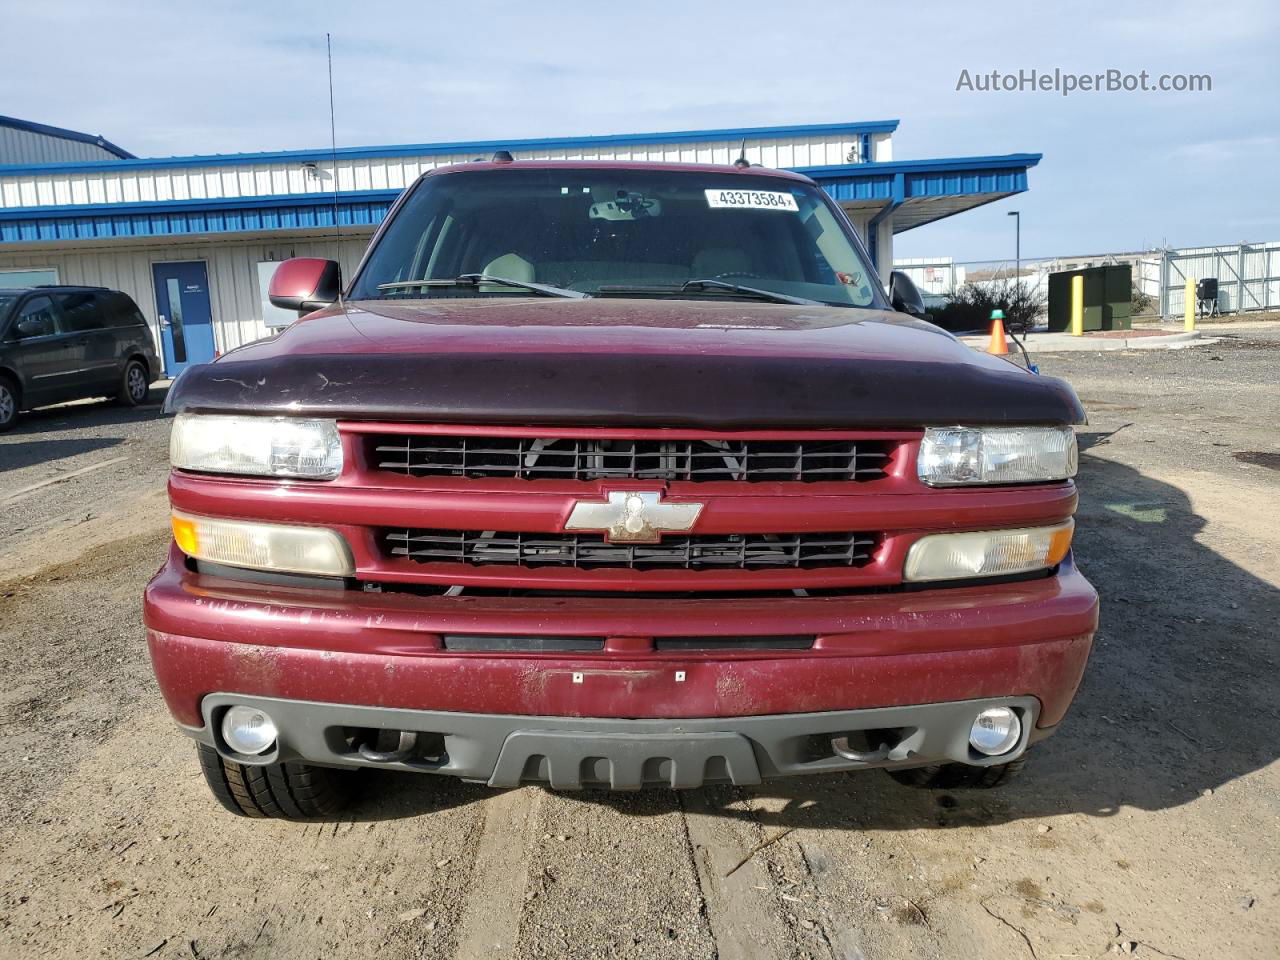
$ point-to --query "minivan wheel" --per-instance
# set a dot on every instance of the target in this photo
(8, 404)
(133, 384)
(287, 791)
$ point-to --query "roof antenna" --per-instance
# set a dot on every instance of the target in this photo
(333, 148)
(742, 162)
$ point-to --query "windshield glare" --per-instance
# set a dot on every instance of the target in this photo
(646, 230)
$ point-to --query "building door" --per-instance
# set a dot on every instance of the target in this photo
(186, 324)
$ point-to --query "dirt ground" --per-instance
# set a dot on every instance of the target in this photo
(1149, 825)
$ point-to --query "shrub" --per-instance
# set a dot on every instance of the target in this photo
(1140, 302)
(969, 306)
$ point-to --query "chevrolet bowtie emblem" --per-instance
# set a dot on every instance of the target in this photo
(632, 517)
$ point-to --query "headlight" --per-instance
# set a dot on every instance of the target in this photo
(256, 446)
(956, 456)
(995, 553)
(263, 546)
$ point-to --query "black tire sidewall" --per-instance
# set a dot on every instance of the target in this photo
(288, 791)
(125, 396)
(7, 385)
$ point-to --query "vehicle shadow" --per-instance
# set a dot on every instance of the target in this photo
(86, 414)
(28, 453)
(384, 795)
(1179, 696)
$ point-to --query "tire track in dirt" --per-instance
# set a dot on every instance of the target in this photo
(495, 900)
(741, 898)
(610, 876)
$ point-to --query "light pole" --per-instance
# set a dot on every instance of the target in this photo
(1017, 249)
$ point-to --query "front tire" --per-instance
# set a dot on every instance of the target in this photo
(286, 791)
(135, 384)
(959, 776)
(8, 404)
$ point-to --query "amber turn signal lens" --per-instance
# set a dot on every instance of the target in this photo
(278, 547)
(989, 553)
(184, 535)
(1059, 544)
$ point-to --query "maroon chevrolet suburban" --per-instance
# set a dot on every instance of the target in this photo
(616, 475)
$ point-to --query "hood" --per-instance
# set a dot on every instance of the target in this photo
(678, 363)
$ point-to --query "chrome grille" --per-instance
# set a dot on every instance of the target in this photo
(754, 551)
(575, 458)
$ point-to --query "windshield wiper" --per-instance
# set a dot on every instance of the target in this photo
(698, 284)
(475, 279)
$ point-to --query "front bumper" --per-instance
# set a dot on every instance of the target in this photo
(573, 752)
(210, 635)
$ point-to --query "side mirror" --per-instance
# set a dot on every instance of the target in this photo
(904, 296)
(29, 328)
(305, 284)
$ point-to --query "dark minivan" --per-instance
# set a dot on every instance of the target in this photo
(61, 343)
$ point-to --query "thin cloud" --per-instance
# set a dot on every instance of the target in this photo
(1218, 151)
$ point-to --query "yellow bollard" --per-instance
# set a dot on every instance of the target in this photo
(1189, 306)
(1077, 306)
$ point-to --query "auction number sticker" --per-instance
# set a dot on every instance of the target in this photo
(751, 200)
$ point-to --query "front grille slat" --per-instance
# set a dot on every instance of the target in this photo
(586, 551)
(643, 459)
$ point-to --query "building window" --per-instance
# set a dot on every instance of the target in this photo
(27, 277)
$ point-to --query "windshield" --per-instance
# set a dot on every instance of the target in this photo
(618, 233)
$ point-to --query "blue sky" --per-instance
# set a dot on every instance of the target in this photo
(1121, 170)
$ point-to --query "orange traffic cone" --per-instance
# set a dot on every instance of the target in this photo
(997, 345)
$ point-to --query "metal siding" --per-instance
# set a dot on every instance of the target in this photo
(1248, 275)
(620, 142)
(185, 221)
(863, 188)
(26, 147)
(966, 182)
(132, 182)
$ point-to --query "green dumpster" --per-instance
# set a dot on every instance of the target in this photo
(1107, 298)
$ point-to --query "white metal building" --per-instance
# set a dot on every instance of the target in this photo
(195, 239)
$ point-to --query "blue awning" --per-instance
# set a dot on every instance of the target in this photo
(917, 192)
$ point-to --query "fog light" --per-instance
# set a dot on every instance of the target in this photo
(248, 730)
(995, 731)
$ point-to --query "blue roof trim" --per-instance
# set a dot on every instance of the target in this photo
(919, 166)
(185, 218)
(200, 204)
(464, 146)
(48, 131)
(941, 177)
(892, 184)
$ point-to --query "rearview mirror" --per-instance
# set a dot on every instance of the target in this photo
(305, 284)
(904, 296)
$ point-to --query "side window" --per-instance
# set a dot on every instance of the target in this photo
(35, 319)
(82, 312)
(121, 311)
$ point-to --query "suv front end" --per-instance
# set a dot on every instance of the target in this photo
(557, 526)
